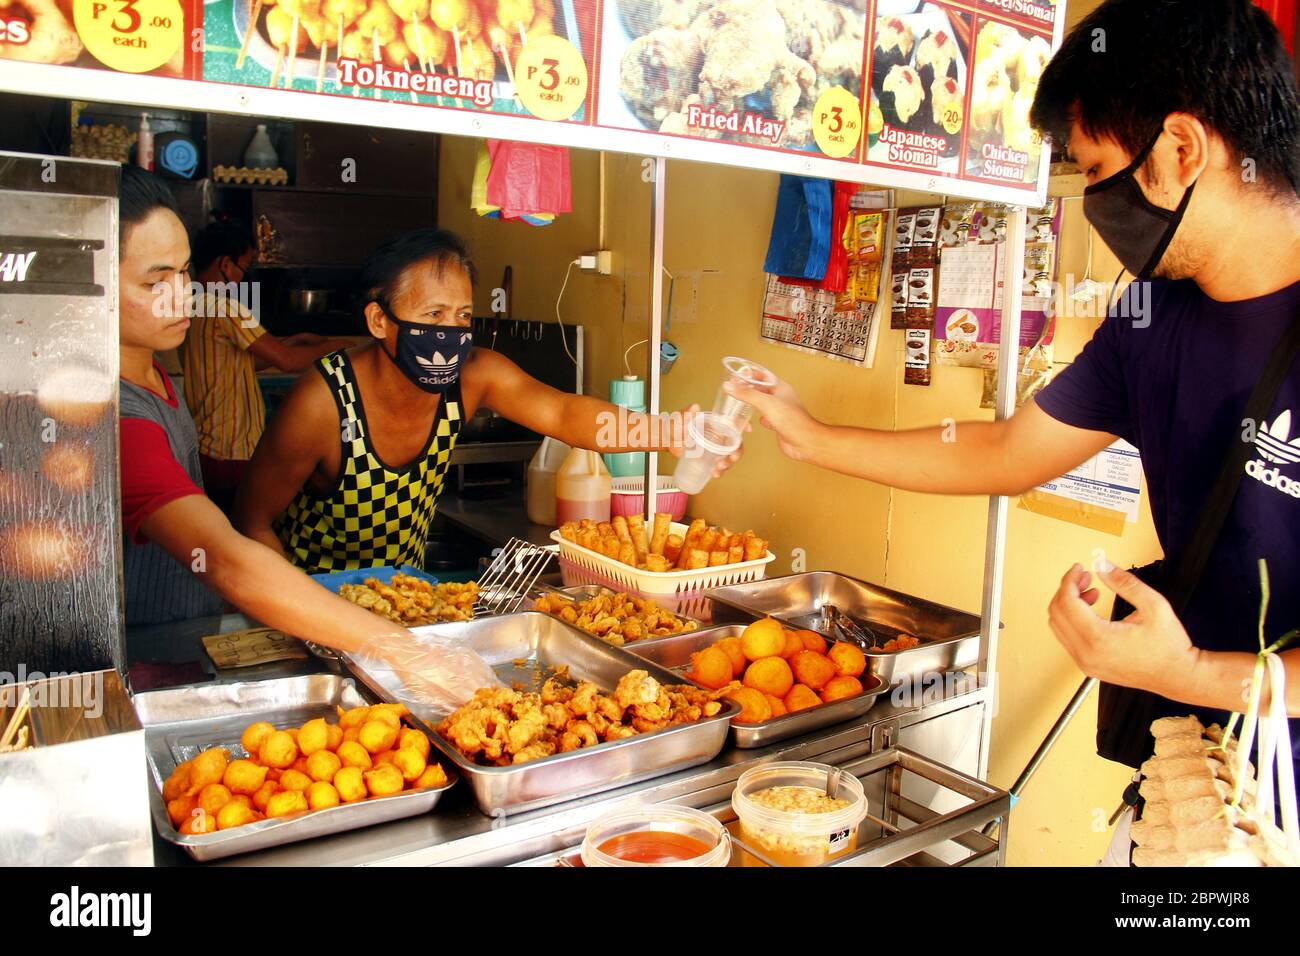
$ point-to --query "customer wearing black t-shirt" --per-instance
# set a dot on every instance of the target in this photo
(1183, 116)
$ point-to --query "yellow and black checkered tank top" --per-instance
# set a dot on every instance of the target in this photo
(376, 515)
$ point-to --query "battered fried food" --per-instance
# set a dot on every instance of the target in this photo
(501, 727)
(412, 601)
(617, 619)
(702, 546)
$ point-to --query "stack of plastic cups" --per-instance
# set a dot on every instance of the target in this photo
(739, 371)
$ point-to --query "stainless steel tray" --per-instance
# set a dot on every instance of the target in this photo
(949, 637)
(523, 649)
(181, 721)
(674, 653)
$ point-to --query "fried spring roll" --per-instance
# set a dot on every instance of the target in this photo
(708, 541)
(736, 554)
(621, 529)
(673, 548)
(636, 527)
(660, 536)
(589, 538)
(626, 553)
(609, 545)
(656, 563)
(718, 558)
(695, 559)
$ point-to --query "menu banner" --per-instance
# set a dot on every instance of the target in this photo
(928, 94)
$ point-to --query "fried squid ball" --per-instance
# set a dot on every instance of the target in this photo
(377, 736)
(433, 776)
(322, 796)
(410, 763)
(264, 795)
(254, 735)
(293, 780)
(357, 715)
(334, 736)
(323, 765)
(278, 750)
(244, 776)
(383, 780)
(198, 823)
(178, 783)
(286, 802)
(180, 808)
(350, 784)
(235, 815)
(313, 736)
(208, 767)
(352, 754)
(413, 739)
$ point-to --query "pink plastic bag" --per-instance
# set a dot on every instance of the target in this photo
(528, 178)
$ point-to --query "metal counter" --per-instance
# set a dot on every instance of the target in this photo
(944, 726)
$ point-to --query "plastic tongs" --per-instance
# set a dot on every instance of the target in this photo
(837, 622)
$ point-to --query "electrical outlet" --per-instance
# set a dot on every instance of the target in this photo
(587, 263)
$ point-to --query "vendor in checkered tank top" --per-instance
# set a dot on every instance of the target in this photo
(181, 557)
(349, 472)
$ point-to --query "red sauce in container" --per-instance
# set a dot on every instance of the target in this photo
(654, 847)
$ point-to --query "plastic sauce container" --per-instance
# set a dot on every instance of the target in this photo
(709, 439)
(791, 837)
(542, 472)
(656, 835)
(582, 488)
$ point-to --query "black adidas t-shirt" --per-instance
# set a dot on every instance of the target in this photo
(1171, 371)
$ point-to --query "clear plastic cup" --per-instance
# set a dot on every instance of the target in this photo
(794, 837)
(741, 372)
(709, 439)
(656, 835)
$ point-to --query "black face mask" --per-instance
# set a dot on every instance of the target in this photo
(430, 356)
(1135, 229)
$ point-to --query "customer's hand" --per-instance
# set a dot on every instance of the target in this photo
(780, 409)
(679, 441)
(1149, 649)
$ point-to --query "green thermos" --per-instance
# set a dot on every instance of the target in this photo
(629, 392)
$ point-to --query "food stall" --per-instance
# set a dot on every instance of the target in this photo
(930, 100)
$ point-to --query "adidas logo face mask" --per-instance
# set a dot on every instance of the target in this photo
(430, 356)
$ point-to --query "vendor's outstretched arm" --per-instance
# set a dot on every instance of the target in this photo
(983, 458)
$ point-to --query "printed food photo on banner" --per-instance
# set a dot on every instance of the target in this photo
(739, 71)
(99, 35)
(918, 87)
(1003, 146)
(457, 53)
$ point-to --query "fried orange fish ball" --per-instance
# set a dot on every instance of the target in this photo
(323, 765)
(812, 669)
(383, 780)
(755, 707)
(812, 641)
(387, 757)
(352, 754)
(377, 736)
(244, 776)
(777, 705)
(415, 740)
(801, 697)
(208, 767)
(286, 802)
(397, 53)
(405, 9)
(711, 668)
(507, 13)
(179, 781)
(410, 763)
(848, 660)
(382, 712)
(235, 815)
(322, 796)
(334, 736)
(278, 750)
(313, 736)
(424, 38)
(350, 784)
(253, 736)
(731, 647)
(433, 776)
(765, 638)
(841, 688)
(279, 29)
(294, 780)
(771, 675)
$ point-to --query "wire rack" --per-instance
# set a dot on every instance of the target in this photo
(511, 576)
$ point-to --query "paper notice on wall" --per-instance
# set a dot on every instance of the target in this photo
(1102, 494)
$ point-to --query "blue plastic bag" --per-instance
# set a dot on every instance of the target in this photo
(801, 228)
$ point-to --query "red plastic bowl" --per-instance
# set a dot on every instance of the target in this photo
(627, 497)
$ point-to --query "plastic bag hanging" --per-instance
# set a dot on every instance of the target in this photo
(800, 243)
(528, 179)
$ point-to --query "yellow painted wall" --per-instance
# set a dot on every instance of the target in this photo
(717, 226)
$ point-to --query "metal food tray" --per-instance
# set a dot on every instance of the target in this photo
(949, 637)
(674, 653)
(896, 831)
(182, 721)
(523, 649)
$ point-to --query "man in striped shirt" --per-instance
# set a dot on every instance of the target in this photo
(226, 346)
